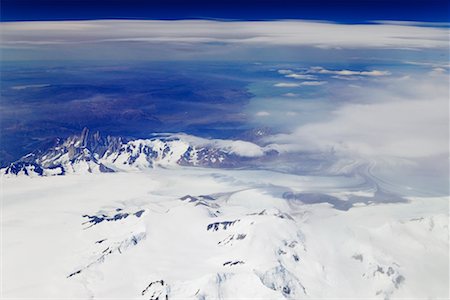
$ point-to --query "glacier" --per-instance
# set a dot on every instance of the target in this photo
(193, 232)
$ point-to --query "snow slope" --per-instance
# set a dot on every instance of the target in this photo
(193, 233)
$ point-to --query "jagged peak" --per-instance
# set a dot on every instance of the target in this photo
(92, 152)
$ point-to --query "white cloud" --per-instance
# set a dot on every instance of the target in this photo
(348, 78)
(262, 114)
(290, 95)
(313, 83)
(284, 71)
(321, 70)
(29, 86)
(243, 148)
(302, 76)
(304, 83)
(403, 119)
(429, 64)
(437, 71)
(238, 147)
(286, 84)
(295, 33)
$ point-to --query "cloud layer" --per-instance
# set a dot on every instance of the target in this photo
(297, 33)
(402, 118)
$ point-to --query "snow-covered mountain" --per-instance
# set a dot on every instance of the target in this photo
(143, 222)
(198, 233)
(92, 153)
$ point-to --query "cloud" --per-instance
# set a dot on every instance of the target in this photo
(304, 83)
(313, 83)
(437, 71)
(29, 86)
(284, 71)
(286, 84)
(348, 78)
(262, 114)
(284, 33)
(237, 147)
(402, 129)
(427, 64)
(413, 23)
(302, 76)
(321, 70)
(290, 95)
(405, 119)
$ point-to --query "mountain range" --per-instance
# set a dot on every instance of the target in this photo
(90, 152)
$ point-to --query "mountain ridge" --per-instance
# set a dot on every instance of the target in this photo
(90, 152)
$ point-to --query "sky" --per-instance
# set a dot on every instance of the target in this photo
(343, 11)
